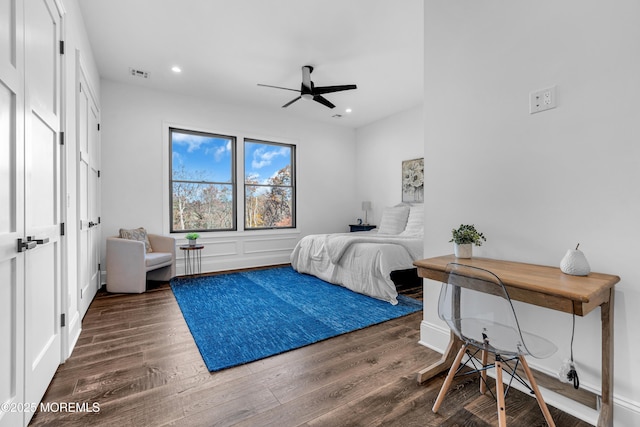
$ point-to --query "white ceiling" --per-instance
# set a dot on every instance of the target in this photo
(226, 47)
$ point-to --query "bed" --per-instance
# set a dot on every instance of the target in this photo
(363, 261)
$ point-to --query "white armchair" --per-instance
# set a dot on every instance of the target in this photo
(129, 266)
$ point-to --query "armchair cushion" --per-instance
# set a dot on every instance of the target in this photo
(157, 258)
(139, 234)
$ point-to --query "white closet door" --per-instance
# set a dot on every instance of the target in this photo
(42, 195)
(88, 193)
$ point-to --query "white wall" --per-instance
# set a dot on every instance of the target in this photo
(536, 185)
(135, 178)
(381, 148)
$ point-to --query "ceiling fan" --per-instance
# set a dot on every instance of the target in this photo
(310, 92)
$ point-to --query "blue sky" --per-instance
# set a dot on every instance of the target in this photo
(209, 158)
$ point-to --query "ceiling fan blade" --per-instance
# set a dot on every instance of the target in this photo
(324, 101)
(319, 90)
(278, 87)
(291, 102)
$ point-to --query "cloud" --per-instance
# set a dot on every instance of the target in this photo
(262, 157)
(220, 151)
(193, 142)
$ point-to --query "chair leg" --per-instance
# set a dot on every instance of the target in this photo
(483, 373)
(536, 391)
(449, 379)
(502, 416)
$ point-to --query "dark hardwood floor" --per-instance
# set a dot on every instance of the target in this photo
(137, 360)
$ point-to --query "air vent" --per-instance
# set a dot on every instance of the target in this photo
(138, 73)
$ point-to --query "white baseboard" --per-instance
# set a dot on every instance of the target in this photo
(75, 327)
(626, 412)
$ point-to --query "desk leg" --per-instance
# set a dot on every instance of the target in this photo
(444, 363)
(606, 411)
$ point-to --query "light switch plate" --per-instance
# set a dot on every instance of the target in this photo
(542, 100)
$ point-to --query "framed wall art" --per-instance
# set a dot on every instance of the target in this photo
(413, 181)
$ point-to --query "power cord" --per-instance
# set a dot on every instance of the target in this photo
(572, 375)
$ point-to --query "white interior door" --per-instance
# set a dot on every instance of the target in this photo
(11, 214)
(42, 195)
(88, 194)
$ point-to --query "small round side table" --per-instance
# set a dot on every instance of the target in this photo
(192, 256)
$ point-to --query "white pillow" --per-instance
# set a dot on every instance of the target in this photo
(394, 220)
(415, 222)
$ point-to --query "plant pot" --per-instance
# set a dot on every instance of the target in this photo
(192, 242)
(464, 250)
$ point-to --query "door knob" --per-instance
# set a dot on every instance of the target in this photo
(38, 241)
(26, 245)
(92, 224)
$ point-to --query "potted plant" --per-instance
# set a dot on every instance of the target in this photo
(192, 237)
(463, 238)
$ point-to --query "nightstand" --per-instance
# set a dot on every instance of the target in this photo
(192, 259)
(361, 227)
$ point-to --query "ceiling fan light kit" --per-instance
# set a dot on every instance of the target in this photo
(308, 91)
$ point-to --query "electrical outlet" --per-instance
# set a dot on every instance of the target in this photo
(542, 100)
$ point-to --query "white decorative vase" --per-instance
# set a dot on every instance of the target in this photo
(575, 263)
(464, 250)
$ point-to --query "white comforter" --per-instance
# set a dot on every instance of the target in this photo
(361, 261)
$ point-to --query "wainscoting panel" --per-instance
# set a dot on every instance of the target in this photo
(270, 245)
(241, 251)
(219, 248)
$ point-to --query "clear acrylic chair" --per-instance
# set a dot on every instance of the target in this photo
(476, 305)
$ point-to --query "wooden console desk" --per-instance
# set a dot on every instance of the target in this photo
(545, 287)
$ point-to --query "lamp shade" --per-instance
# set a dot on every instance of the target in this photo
(366, 206)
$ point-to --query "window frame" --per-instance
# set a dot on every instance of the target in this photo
(292, 186)
(233, 183)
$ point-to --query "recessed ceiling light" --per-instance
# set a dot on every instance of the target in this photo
(348, 110)
(176, 69)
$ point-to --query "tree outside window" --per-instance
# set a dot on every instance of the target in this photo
(269, 185)
(202, 183)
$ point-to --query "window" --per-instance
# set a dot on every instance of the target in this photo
(202, 181)
(269, 185)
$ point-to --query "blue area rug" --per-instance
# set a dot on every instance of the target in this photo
(241, 317)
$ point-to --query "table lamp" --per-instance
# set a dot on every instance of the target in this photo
(365, 207)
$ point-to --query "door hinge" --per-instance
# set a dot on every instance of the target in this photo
(63, 319)
(61, 47)
(98, 126)
(99, 267)
(98, 220)
(80, 86)
(61, 138)
(98, 174)
(62, 228)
